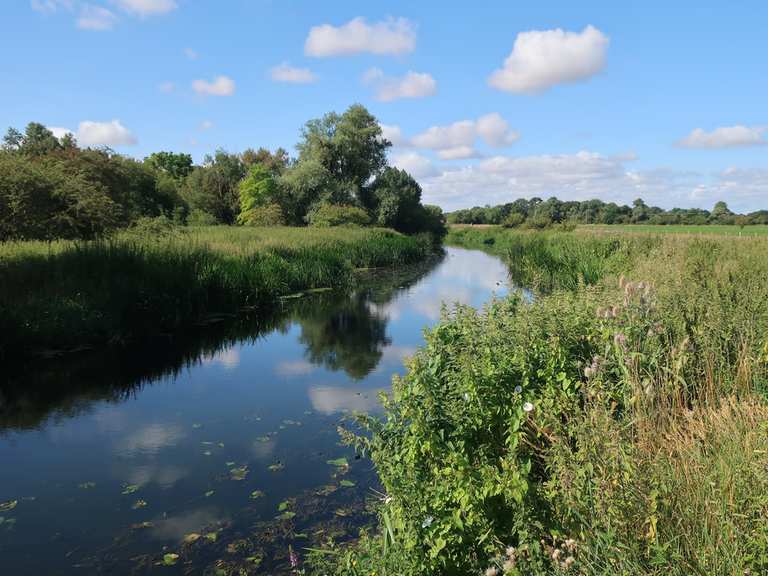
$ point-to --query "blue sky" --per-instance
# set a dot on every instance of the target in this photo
(486, 102)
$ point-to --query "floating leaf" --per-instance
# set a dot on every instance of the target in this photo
(283, 505)
(170, 559)
(230, 464)
(339, 462)
(239, 473)
(326, 490)
(130, 489)
(262, 439)
(307, 412)
(347, 483)
(207, 453)
(139, 504)
(210, 493)
(141, 525)
(255, 560)
(300, 535)
(256, 494)
(207, 443)
(191, 538)
(87, 485)
(196, 426)
(220, 444)
(342, 512)
(286, 515)
(212, 536)
(275, 467)
(8, 505)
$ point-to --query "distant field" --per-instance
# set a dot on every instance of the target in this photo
(758, 230)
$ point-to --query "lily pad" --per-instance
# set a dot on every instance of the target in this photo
(8, 505)
(170, 559)
(239, 473)
(326, 490)
(212, 536)
(256, 494)
(262, 439)
(196, 426)
(229, 464)
(210, 493)
(284, 505)
(141, 525)
(87, 485)
(130, 489)
(347, 483)
(139, 504)
(207, 453)
(191, 538)
(286, 515)
(338, 462)
(275, 467)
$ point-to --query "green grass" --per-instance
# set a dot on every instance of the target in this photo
(619, 419)
(703, 229)
(67, 294)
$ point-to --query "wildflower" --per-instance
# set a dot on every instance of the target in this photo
(466, 396)
(569, 562)
(492, 571)
(589, 372)
(427, 522)
(293, 558)
(518, 389)
(528, 407)
(620, 340)
(511, 551)
(556, 554)
(508, 566)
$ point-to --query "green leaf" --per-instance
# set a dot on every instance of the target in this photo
(210, 493)
(275, 467)
(170, 559)
(339, 462)
(130, 489)
(283, 505)
(286, 515)
(256, 494)
(347, 483)
(8, 505)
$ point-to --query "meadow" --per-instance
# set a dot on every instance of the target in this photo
(616, 423)
(67, 295)
(698, 229)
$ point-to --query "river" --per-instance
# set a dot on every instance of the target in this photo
(225, 435)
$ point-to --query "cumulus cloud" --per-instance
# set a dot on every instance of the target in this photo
(415, 164)
(284, 72)
(145, 8)
(457, 140)
(393, 133)
(220, 86)
(59, 132)
(393, 36)
(725, 137)
(541, 59)
(412, 85)
(95, 18)
(104, 134)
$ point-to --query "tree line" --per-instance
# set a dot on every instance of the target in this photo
(51, 188)
(538, 213)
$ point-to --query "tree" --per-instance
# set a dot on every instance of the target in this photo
(257, 190)
(395, 200)
(721, 214)
(213, 187)
(37, 140)
(177, 166)
(639, 211)
(276, 163)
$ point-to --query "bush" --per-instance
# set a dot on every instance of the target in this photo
(199, 217)
(514, 220)
(267, 215)
(326, 215)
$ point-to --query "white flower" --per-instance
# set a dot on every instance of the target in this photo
(427, 522)
(528, 407)
(466, 396)
(518, 389)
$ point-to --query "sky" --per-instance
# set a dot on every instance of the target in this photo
(484, 102)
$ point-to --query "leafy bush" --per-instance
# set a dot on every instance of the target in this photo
(327, 215)
(514, 220)
(266, 215)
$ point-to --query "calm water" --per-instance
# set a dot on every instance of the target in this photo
(226, 432)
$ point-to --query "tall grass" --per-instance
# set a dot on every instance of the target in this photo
(66, 294)
(616, 424)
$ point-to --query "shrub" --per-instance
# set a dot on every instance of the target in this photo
(327, 215)
(266, 215)
(514, 220)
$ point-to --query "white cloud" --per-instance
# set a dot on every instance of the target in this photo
(284, 72)
(167, 87)
(58, 131)
(725, 137)
(541, 59)
(393, 133)
(412, 85)
(145, 8)
(227, 358)
(221, 86)
(291, 368)
(393, 36)
(206, 125)
(95, 18)
(457, 140)
(458, 153)
(191, 54)
(50, 6)
(416, 165)
(104, 134)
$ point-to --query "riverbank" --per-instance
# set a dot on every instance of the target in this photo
(64, 295)
(613, 425)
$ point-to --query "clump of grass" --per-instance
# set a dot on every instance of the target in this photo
(68, 294)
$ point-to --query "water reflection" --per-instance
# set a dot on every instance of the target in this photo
(171, 421)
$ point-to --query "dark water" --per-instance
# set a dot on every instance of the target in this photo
(222, 435)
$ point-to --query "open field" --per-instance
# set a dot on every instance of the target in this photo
(615, 424)
(68, 294)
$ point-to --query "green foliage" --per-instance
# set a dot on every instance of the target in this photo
(177, 166)
(257, 190)
(213, 187)
(611, 428)
(396, 200)
(514, 220)
(325, 215)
